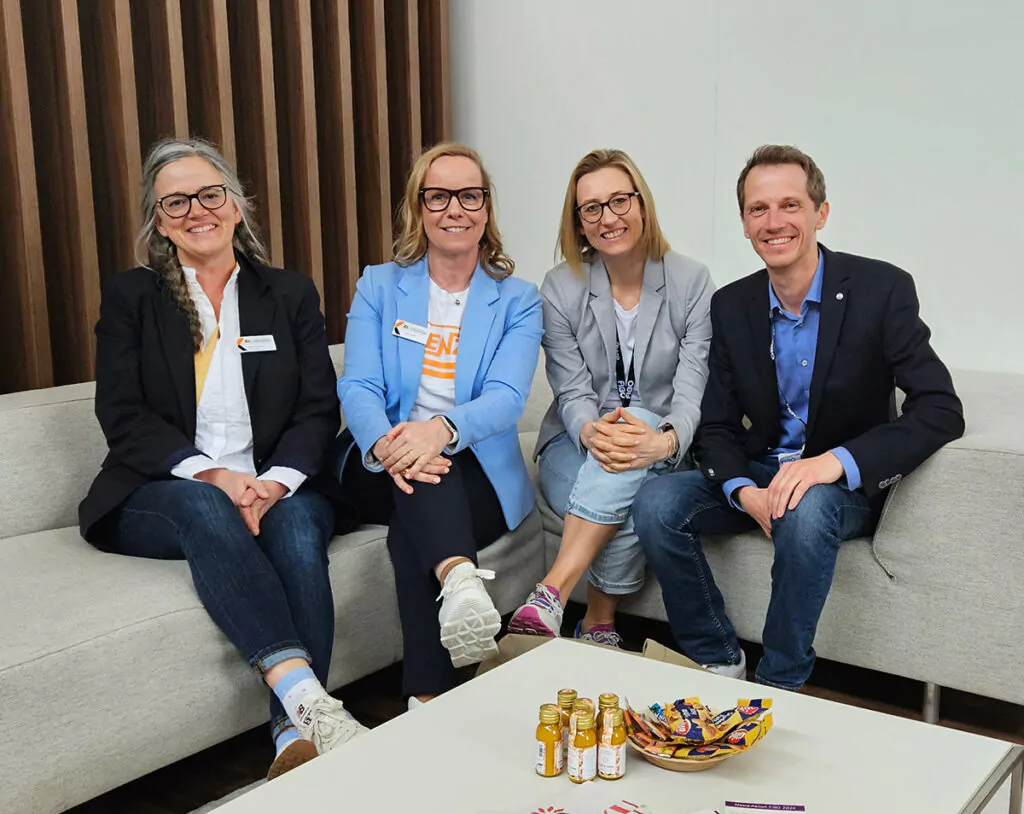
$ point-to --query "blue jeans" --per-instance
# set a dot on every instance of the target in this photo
(673, 511)
(573, 482)
(270, 595)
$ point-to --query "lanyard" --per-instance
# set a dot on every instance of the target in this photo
(785, 401)
(625, 385)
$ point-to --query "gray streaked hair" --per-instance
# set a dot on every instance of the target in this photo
(158, 253)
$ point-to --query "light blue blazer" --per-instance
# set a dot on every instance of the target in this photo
(499, 345)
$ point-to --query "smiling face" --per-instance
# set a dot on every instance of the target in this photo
(203, 237)
(454, 231)
(779, 217)
(613, 235)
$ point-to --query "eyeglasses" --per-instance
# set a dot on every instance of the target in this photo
(593, 211)
(437, 199)
(178, 204)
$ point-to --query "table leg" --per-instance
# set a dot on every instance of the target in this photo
(1017, 787)
(931, 703)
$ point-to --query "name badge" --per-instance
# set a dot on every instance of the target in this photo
(787, 457)
(408, 330)
(256, 344)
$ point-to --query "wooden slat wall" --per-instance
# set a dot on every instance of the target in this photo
(322, 105)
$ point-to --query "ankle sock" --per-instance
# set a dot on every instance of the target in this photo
(296, 689)
(286, 737)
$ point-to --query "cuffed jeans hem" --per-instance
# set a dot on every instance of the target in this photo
(602, 518)
(614, 588)
(271, 656)
(279, 725)
(760, 680)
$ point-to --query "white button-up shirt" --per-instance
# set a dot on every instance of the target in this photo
(223, 426)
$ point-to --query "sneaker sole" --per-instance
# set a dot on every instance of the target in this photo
(528, 623)
(469, 633)
(292, 757)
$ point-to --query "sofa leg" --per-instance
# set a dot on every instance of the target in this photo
(931, 703)
(1017, 788)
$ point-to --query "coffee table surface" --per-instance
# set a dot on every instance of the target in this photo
(471, 750)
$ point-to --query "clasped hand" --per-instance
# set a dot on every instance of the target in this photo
(411, 451)
(253, 497)
(619, 441)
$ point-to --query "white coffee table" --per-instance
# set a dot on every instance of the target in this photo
(471, 750)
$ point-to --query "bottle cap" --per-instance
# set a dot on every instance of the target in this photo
(585, 721)
(566, 697)
(583, 704)
(616, 717)
(607, 699)
(550, 714)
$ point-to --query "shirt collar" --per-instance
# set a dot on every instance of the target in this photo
(813, 293)
(190, 275)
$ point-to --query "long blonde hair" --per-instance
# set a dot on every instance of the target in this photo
(574, 246)
(158, 253)
(411, 241)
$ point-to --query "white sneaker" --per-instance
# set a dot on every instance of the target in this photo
(729, 670)
(327, 723)
(468, 618)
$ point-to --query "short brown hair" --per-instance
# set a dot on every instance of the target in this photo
(573, 246)
(768, 154)
(411, 241)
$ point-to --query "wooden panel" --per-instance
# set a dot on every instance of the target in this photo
(24, 333)
(208, 72)
(366, 19)
(435, 74)
(111, 108)
(159, 70)
(296, 133)
(64, 180)
(332, 61)
(403, 56)
(256, 116)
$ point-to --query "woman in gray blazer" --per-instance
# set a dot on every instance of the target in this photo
(626, 336)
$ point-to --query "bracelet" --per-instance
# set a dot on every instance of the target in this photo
(673, 444)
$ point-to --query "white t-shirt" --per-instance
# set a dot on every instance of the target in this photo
(436, 393)
(625, 324)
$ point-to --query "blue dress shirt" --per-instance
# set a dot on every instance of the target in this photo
(793, 347)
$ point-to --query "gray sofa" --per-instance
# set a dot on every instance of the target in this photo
(110, 667)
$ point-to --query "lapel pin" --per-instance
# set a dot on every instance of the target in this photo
(839, 296)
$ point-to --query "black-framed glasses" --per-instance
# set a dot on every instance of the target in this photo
(178, 204)
(438, 199)
(619, 203)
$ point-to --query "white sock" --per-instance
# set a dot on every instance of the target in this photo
(296, 690)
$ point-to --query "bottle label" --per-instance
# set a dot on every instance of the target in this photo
(549, 759)
(611, 760)
(583, 763)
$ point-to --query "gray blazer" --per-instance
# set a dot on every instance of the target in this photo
(673, 334)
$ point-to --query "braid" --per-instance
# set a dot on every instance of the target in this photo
(170, 277)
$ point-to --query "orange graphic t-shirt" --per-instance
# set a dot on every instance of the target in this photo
(436, 392)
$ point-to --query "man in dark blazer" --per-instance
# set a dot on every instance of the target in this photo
(799, 433)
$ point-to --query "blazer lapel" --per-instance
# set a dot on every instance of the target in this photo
(255, 317)
(835, 292)
(412, 306)
(651, 300)
(177, 342)
(602, 306)
(760, 327)
(476, 328)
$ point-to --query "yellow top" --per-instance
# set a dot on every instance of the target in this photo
(203, 360)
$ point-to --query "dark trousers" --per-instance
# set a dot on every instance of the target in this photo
(671, 514)
(271, 594)
(454, 518)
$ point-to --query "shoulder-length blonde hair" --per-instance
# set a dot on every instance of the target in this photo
(411, 241)
(572, 245)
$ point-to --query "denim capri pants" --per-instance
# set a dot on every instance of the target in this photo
(573, 482)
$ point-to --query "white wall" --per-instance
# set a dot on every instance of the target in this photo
(914, 110)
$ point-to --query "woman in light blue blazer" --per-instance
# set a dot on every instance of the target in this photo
(440, 352)
(627, 330)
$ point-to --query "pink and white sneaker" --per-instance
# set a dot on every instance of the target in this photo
(540, 616)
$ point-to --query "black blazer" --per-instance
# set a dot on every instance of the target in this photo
(870, 340)
(146, 391)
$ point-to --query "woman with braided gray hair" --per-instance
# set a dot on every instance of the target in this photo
(216, 394)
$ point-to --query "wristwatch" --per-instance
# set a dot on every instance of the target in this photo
(451, 428)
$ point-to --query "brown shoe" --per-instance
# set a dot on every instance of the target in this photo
(294, 754)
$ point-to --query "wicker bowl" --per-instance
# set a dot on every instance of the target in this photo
(674, 764)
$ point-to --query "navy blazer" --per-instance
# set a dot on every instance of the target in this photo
(146, 391)
(870, 341)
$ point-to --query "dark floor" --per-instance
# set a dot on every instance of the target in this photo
(216, 772)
